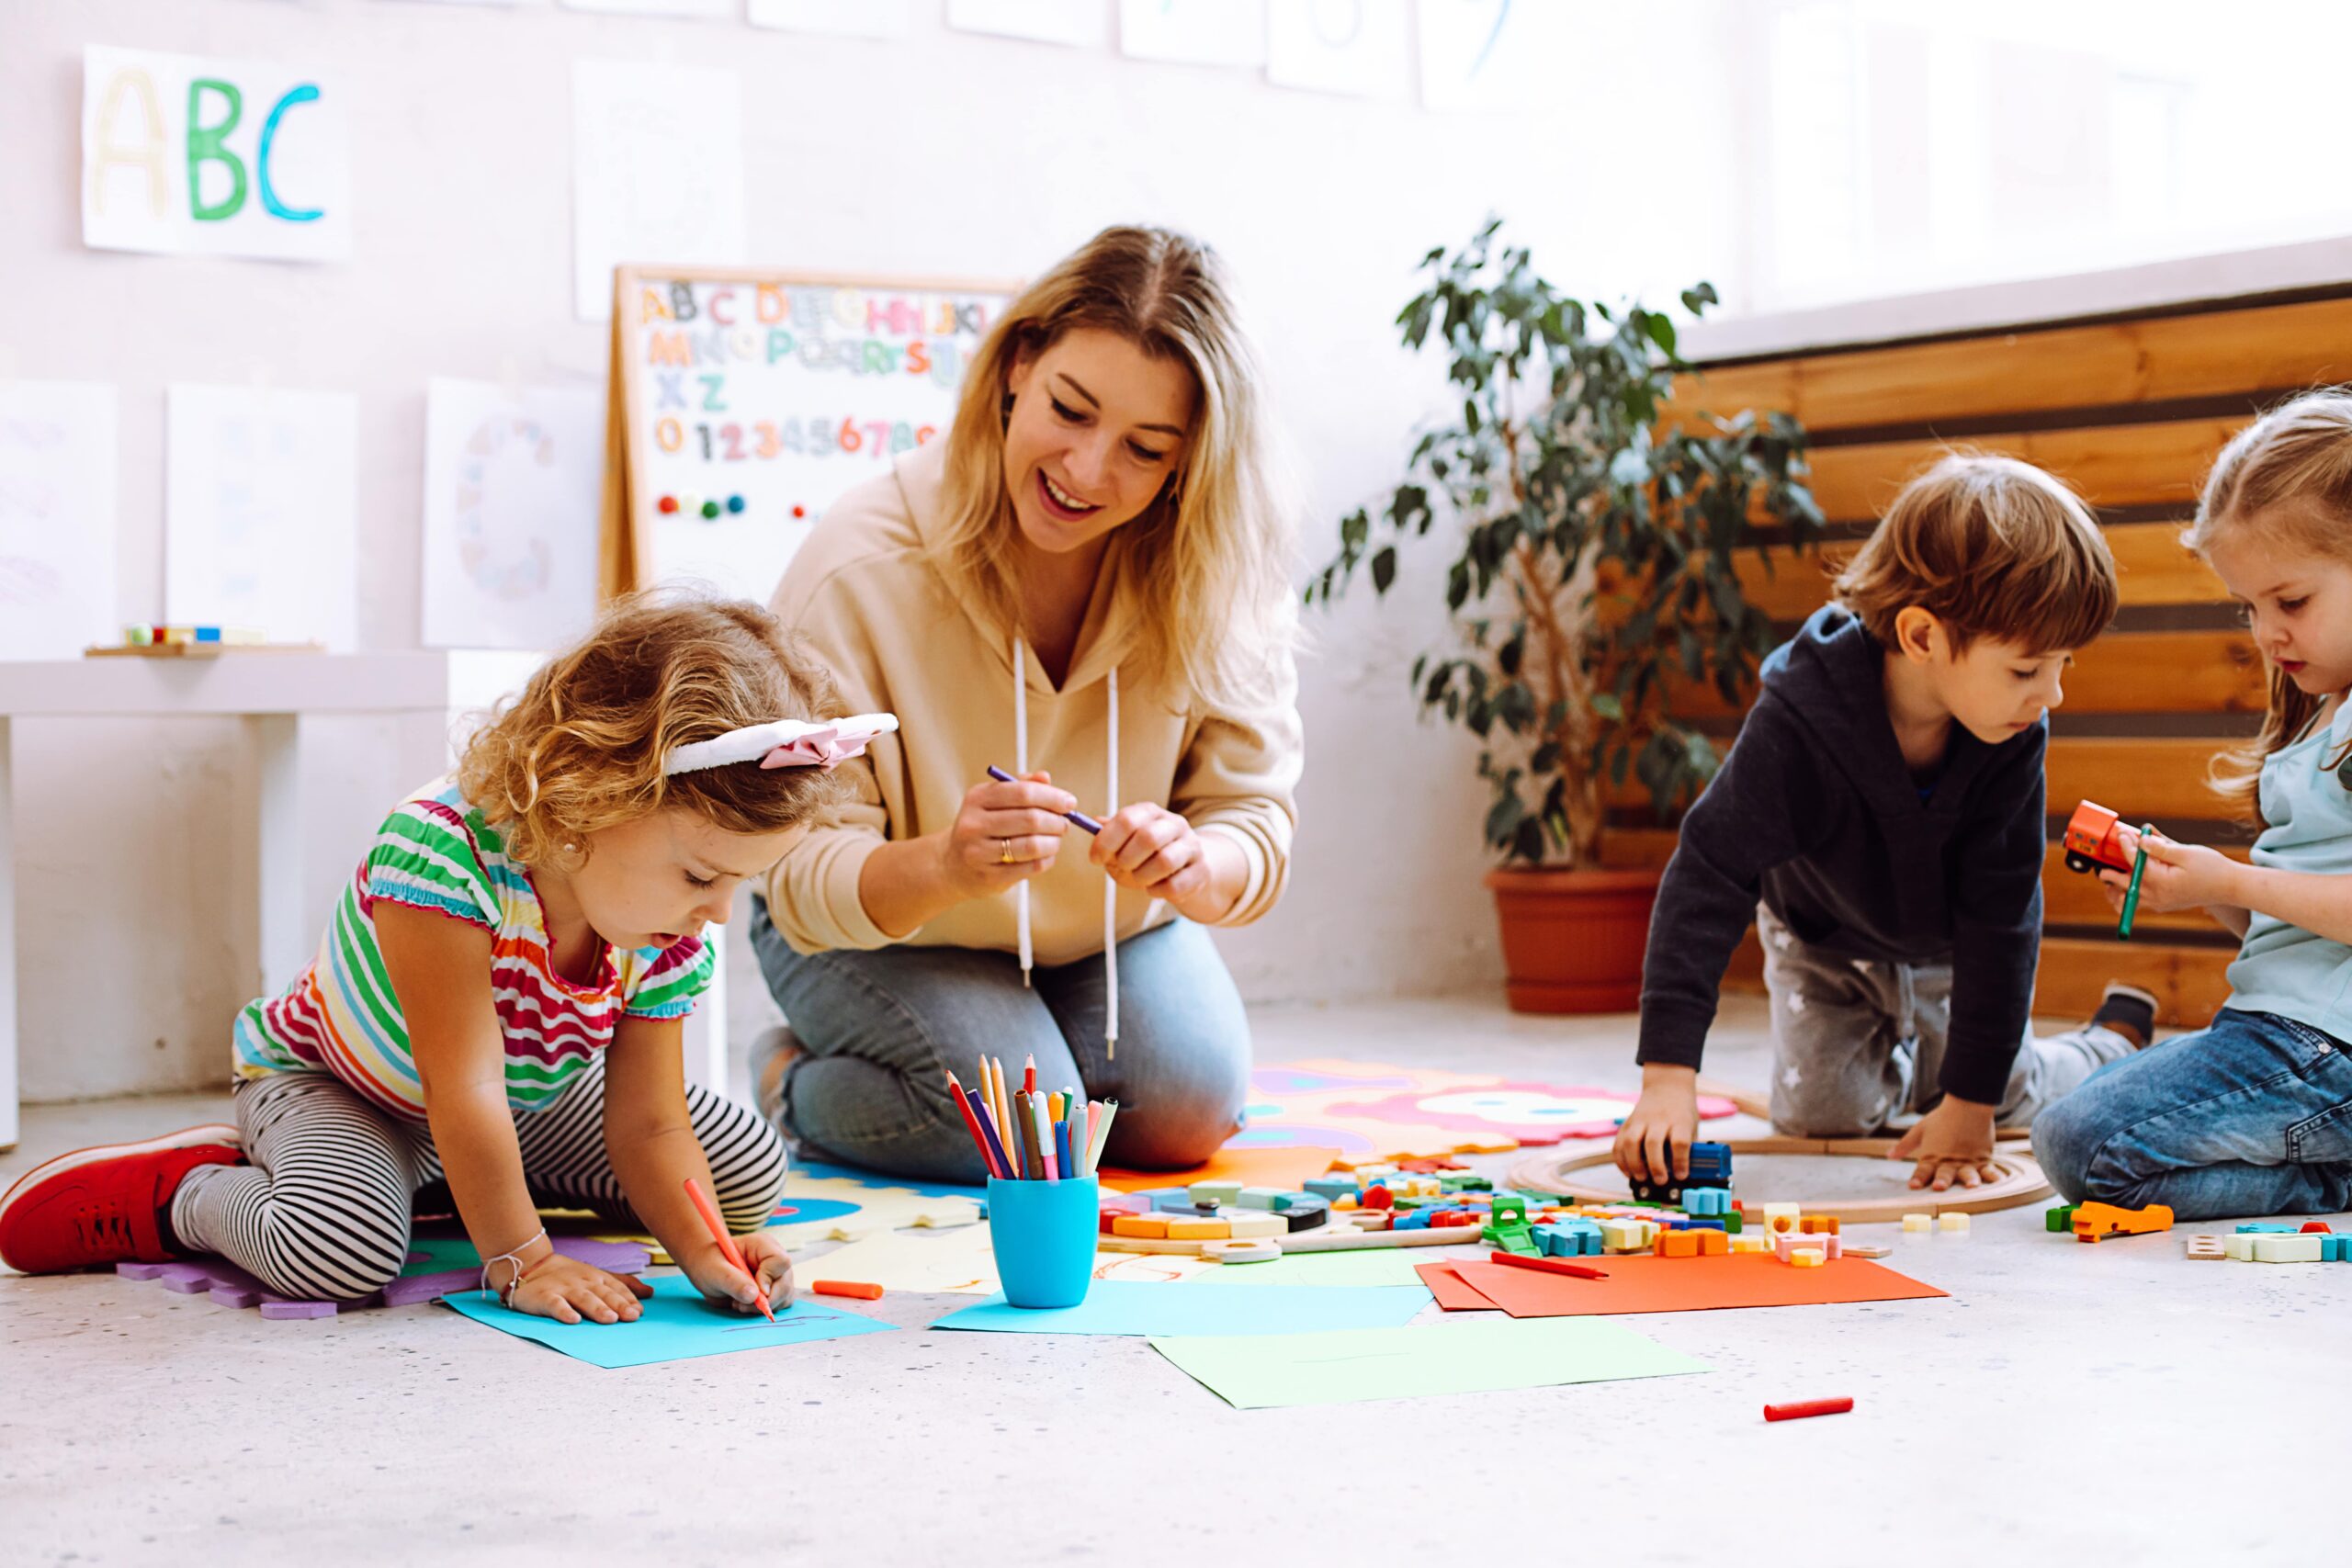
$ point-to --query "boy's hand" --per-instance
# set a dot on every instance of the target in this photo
(567, 1289)
(1952, 1143)
(1654, 1144)
(2179, 877)
(763, 1250)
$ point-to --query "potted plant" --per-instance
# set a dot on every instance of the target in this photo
(1595, 593)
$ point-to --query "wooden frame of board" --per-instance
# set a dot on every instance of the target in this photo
(622, 548)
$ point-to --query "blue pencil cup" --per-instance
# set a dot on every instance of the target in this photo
(1044, 1235)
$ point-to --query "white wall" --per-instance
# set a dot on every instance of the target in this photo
(943, 152)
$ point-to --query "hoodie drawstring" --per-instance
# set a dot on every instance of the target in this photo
(1110, 888)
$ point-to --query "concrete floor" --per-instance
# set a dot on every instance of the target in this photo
(2112, 1403)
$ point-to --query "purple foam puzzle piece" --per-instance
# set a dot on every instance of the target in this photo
(277, 1312)
(230, 1286)
(139, 1271)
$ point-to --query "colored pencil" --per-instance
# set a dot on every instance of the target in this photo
(971, 1122)
(1548, 1265)
(1079, 818)
(1000, 1163)
(734, 1254)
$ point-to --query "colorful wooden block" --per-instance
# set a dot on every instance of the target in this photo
(1755, 1241)
(1789, 1243)
(1807, 1258)
(1822, 1224)
(1198, 1228)
(2239, 1247)
(2205, 1247)
(1779, 1217)
(1918, 1224)
(1260, 1197)
(1953, 1225)
(2058, 1221)
(1151, 1227)
(1626, 1236)
(1677, 1244)
(1221, 1193)
(2093, 1220)
(1305, 1213)
(2286, 1249)
(1713, 1244)
(1331, 1188)
(1244, 1224)
(1708, 1201)
(2335, 1249)
(2265, 1227)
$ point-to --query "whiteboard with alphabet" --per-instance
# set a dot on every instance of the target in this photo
(744, 402)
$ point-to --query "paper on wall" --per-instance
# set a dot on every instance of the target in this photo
(57, 518)
(221, 157)
(1356, 46)
(512, 491)
(656, 172)
(260, 507)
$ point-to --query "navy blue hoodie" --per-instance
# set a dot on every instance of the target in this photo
(1815, 813)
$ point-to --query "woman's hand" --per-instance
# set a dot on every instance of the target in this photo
(2178, 875)
(1004, 833)
(567, 1289)
(1153, 850)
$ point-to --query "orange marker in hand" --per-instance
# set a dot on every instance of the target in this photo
(709, 1213)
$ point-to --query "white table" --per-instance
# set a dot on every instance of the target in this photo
(425, 694)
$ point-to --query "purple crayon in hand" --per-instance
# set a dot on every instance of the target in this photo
(1081, 817)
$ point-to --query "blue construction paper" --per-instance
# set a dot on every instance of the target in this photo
(877, 1179)
(677, 1322)
(1119, 1306)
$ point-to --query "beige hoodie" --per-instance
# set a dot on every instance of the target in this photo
(863, 593)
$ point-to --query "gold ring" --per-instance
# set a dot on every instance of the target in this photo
(1004, 851)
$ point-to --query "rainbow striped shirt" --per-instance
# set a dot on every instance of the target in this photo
(435, 852)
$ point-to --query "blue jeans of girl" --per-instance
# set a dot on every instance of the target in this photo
(881, 1030)
(2251, 1116)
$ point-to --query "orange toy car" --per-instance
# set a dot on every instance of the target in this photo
(2092, 1221)
(2092, 841)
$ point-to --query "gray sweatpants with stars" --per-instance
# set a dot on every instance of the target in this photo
(1857, 1045)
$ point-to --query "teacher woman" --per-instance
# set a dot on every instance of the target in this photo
(1087, 583)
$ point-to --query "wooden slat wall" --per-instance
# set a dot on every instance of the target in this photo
(2132, 413)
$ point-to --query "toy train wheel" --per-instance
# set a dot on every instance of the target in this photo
(2078, 862)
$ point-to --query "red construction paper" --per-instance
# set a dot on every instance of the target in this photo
(1446, 1285)
(1641, 1283)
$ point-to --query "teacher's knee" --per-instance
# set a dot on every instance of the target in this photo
(1186, 1118)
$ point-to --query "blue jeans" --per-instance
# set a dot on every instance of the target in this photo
(2252, 1116)
(882, 1028)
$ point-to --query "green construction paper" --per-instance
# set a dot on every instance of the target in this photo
(1366, 1266)
(1259, 1371)
(676, 1322)
(1114, 1306)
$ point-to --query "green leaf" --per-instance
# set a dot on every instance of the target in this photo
(1384, 567)
(1608, 707)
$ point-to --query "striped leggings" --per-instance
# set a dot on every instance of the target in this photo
(322, 1211)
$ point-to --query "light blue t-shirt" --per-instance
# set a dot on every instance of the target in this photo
(2282, 968)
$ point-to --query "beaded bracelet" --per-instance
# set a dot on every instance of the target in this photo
(506, 1296)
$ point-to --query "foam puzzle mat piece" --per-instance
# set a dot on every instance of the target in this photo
(225, 1284)
(1371, 1111)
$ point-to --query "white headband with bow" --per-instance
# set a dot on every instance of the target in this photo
(786, 743)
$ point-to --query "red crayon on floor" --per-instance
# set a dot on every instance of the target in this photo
(857, 1288)
(1807, 1407)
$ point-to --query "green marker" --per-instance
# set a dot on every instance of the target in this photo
(2132, 894)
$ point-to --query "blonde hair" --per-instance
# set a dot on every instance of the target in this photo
(2285, 480)
(1203, 572)
(583, 746)
(1991, 548)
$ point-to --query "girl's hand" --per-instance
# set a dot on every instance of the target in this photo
(1153, 850)
(1654, 1142)
(567, 1289)
(1954, 1141)
(1003, 834)
(763, 1250)
(2178, 875)
(722, 1282)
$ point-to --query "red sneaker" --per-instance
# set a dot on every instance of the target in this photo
(99, 1205)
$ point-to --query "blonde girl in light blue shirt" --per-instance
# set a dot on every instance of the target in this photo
(2254, 1115)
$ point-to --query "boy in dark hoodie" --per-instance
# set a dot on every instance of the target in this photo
(1882, 820)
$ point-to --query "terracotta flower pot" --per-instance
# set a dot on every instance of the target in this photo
(1573, 940)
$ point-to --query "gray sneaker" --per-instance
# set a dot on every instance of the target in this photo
(773, 1050)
